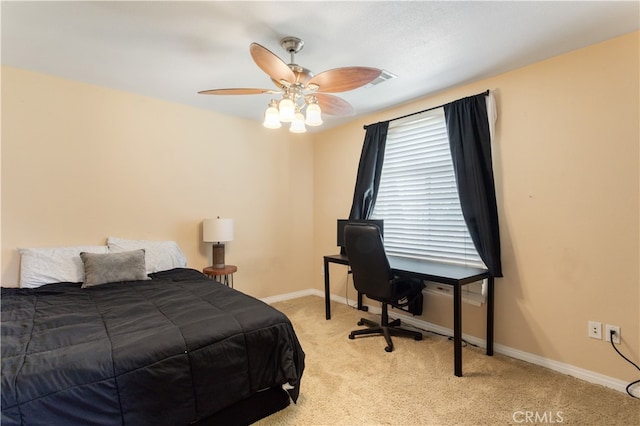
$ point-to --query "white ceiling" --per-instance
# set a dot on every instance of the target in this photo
(172, 50)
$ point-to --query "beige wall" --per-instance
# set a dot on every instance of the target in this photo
(566, 164)
(81, 163)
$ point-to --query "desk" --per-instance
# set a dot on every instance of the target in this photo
(453, 275)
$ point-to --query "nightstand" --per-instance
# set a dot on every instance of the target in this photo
(222, 275)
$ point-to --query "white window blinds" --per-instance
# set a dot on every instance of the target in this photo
(418, 198)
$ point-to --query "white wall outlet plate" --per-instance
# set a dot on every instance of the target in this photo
(608, 329)
(595, 330)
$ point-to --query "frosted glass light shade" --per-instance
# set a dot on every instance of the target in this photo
(314, 115)
(287, 110)
(217, 230)
(272, 118)
(297, 125)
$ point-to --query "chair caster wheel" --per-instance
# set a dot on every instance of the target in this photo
(388, 348)
(360, 323)
(418, 337)
(351, 337)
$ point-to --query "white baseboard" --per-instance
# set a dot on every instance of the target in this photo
(294, 295)
(561, 367)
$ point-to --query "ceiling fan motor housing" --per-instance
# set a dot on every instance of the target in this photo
(293, 45)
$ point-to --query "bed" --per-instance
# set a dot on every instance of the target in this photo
(171, 348)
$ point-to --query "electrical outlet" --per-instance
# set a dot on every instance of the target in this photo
(616, 337)
(595, 330)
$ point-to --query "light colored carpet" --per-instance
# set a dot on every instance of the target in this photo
(355, 382)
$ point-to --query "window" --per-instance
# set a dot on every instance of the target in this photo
(418, 198)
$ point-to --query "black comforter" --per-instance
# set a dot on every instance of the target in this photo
(171, 350)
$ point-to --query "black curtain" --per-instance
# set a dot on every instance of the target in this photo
(470, 141)
(369, 170)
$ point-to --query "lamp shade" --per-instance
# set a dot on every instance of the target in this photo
(314, 115)
(287, 110)
(272, 116)
(217, 230)
(297, 125)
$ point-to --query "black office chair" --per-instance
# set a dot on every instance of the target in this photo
(373, 277)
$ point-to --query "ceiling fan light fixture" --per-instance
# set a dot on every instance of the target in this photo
(287, 110)
(302, 90)
(314, 115)
(272, 116)
(297, 124)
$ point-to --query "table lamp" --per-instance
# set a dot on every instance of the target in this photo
(217, 231)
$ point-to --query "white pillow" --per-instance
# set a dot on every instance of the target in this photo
(159, 255)
(40, 266)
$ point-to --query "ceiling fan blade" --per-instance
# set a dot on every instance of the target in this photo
(344, 79)
(334, 105)
(237, 91)
(271, 64)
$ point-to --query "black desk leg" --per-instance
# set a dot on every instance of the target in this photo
(327, 295)
(490, 316)
(457, 330)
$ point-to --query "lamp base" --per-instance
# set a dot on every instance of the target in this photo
(218, 256)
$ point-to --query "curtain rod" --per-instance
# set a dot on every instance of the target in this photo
(486, 93)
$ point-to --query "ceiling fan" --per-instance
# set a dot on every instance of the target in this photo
(301, 90)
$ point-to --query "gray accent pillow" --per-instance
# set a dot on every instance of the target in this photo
(113, 267)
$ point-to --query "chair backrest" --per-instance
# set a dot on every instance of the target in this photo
(368, 260)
